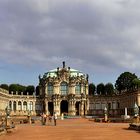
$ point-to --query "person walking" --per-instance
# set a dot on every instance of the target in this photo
(55, 118)
(43, 116)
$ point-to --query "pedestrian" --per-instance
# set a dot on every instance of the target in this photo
(50, 118)
(62, 116)
(55, 118)
(43, 119)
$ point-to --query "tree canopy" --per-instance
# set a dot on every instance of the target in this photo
(136, 83)
(37, 90)
(92, 89)
(101, 89)
(4, 86)
(124, 81)
(109, 89)
(20, 88)
(30, 89)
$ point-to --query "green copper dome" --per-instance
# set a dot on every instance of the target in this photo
(73, 73)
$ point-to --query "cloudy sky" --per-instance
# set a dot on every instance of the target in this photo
(98, 37)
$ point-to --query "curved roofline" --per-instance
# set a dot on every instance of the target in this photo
(73, 72)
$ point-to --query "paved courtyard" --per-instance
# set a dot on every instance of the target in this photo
(73, 129)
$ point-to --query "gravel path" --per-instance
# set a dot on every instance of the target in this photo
(73, 129)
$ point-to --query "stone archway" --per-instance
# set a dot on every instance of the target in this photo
(50, 108)
(64, 107)
(77, 108)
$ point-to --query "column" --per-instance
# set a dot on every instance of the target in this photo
(46, 89)
(28, 105)
(82, 108)
(86, 89)
(34, 112)
(12, 105)
(86, 106)
(71, 109)
(22, 105)
(56, 107)
(138, 99)
(82, 89)
(46, 107)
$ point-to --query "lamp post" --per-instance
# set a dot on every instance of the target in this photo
(105, 114)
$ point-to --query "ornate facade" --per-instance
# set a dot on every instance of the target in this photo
(19, 104)
(64, 90)
(115, 104)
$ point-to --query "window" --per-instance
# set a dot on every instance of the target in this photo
(103, 106)
(14, 106)
(50, 88)
(78, 89)
(31, 106)
(114, 105)
(24, 106)
(98, 106)
(19, 105)
(64, 88)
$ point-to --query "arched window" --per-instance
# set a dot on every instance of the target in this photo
(24, 106)
(14, 106)
(19, 105)
(31, 106)
(64, 88)
(10, 105)
(50, 88)
(78, 88)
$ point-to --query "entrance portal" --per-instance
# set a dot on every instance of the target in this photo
(64, 106)
(77, 107)
(50, 108)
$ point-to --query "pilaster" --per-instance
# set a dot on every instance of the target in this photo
(82, 108)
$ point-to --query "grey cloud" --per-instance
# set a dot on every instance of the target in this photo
(95, 34)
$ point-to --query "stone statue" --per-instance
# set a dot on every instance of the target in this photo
(87, 77)
(39, 77)
(63, 64)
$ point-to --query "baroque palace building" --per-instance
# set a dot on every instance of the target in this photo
(65, 90)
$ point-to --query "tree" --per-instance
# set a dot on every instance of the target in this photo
(91, 89)
(13, 88)
(136, 83)
(101, 89)
(21, 88)
(109, 89)
(17, 88)
(37, 90)
(30, 89)
(124, 81)
(4, 86)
